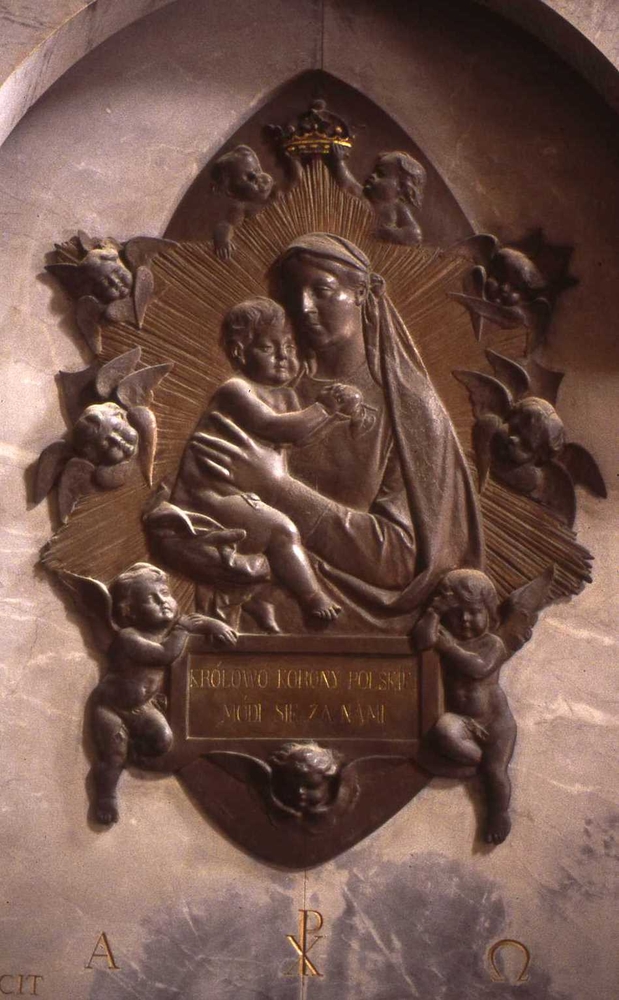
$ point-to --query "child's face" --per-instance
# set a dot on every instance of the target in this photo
(246, 180)
(111, 279)
(302, 788)
(271, 358)
(104, 436)
(383, 184)
(467, 620)
(151, 605)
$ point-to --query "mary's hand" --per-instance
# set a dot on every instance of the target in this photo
(239, 459)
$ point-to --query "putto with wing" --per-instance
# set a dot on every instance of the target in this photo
(139, 626)
(520, 439)
(474, 635)
(112, 428)
(111, 281)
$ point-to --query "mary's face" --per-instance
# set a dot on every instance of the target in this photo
(324, 303)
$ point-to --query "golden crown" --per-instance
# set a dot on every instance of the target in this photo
(314, 133)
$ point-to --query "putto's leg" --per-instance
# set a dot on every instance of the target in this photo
(151, 735)
(112, 741)
(456, 737)
(498, 786)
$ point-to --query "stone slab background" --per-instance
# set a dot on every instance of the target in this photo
(411, 912)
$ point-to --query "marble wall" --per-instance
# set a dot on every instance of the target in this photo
(410, 912)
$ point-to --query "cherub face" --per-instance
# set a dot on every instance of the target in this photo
(301, 787)
(111, 280)
(533, 434)
(151, 604)
(513, 278)
(104, 436)
(383, 184)
(245, 180)
(271, 358)
(467, 620)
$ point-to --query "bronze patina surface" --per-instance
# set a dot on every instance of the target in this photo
(286, 549)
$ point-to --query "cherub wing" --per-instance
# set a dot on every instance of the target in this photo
(520, 610)
(88, 314)
(481, 248)
(111, 374)
(137, 389)
(51, 463)
(78, 390)
(145, 424)
(121, 310)
(143, 290)
(510, 374)
(473, 285)
(482, 434)
(76, 481)
(507, 317)
(95, 599)
(486, 393)
(583, 468)
(249, 770)
(71, 277)
(141, 250)
(365, 765)
(556, 490)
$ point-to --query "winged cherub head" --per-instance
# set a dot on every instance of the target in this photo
(305, 778)
(109, 278)
(104, 436)
(533, 432)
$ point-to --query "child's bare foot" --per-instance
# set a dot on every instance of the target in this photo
(498, 826)
(263, 613)
(321, 606)
(106, 810)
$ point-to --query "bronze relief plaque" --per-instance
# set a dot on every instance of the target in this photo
(316, 491)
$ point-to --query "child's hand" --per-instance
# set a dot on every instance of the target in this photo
(426, 631)
(444, 639)
(222, 632)
(340, 398)
(203, 625)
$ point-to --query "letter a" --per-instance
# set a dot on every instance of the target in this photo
(106, 953)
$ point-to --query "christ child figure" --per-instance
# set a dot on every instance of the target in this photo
(261, 399)
(149, 634)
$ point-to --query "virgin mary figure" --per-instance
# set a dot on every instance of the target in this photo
(383, 513)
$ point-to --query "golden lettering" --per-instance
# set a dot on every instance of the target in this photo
(495, 974)
(243, 711)
(106, 952)
(287, 713)
(23, 988)
(303, 965)
(377, 680)
(193, 678)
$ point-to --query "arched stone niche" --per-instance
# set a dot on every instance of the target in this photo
(519, 141)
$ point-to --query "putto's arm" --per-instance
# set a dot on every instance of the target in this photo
(130, 644)
(238, 400)
(474, 665)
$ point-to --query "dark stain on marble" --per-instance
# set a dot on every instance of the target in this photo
(423, 930)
